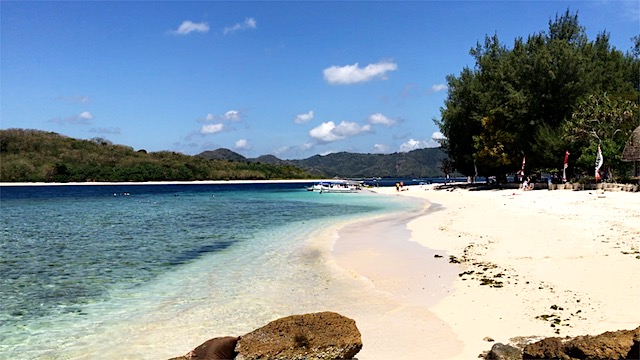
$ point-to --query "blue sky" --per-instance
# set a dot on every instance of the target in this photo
(292, 79)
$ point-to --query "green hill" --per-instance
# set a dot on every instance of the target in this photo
(416, 163)
(38, 156)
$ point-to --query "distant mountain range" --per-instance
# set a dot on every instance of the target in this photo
(415, 164)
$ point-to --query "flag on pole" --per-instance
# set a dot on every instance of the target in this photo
(566, 165)
(522, 170)
(599, 161)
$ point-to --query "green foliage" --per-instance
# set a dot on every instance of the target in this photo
(37, 156)
(494, 143)
(601, 119)
(523, 100)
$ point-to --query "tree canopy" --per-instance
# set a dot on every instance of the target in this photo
(554, 91)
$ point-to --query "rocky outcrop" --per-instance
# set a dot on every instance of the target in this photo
(324, 335)
(222, 348)
(321, 336)
(501, 351)
(611, 345)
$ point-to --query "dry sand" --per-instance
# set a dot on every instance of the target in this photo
(554, 263)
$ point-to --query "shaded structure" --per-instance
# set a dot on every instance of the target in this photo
(631, 152)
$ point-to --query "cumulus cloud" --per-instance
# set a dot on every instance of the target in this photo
(212, 128)
(248, 23)
(84, 118)
(329, 131)
(412, 144)
(85, 115)
(438, 87)
(437, 135)
(189, 26)
(380, 119)
(243, 144)
(232, 115)
(281, 150)
(351, 74)
(303, 118)
(380, 148)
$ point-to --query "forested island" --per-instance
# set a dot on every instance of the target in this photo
(38, 156)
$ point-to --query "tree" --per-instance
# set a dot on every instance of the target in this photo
(606, 121)
(460, 120)
(495, 145)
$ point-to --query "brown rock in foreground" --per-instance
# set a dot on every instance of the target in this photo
(611, 345)
(324, 335)
(221, 348)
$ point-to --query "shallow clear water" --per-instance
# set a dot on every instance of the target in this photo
(109, 271)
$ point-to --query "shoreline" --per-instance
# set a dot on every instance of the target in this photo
(531, 264)
(400, 278)
(199, 182)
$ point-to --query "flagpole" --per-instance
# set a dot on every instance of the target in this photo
(522, 170)
(566, 165)
(599, 161)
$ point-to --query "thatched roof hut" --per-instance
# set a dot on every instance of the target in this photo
(631, 151)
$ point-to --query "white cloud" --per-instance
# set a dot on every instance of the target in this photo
(412, 144)
(211, 128)
(243, 144)
(437, 135)
(380, 148)
(188, 26)
(84, 118)
(281, 150)
(329, 131)
(324, 132)
(303, 118)
(438, 87)
(378, 118)
(85, 115)
(232, 115)
(351, 74)
(248, 23)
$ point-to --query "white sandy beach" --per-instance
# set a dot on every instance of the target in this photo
(565, 258)
(570, 257)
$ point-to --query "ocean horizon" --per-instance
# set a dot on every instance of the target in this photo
(146, 271)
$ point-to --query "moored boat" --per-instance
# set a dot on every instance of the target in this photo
(335, 187)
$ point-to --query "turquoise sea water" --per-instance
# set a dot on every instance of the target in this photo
(121, 271)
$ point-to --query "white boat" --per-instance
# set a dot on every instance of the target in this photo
(334, 187)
